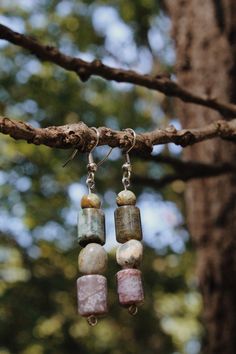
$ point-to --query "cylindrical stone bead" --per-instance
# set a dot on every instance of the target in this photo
(91, 226)
(129, 287)
(128, 223)
(92, 295)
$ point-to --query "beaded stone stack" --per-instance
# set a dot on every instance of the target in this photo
(129, 254)
(92, 260)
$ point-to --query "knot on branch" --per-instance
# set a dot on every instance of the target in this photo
(96, 63)
(83, 74)
(184, 138)
(227, 130)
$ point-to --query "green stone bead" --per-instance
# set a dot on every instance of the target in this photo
(91, 226)
(92, 259)
(126, 197)
(91, 200)
(128, 223)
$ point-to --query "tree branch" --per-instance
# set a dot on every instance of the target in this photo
(200, 170)
(180, 165)
(81, 137)
(86, 69)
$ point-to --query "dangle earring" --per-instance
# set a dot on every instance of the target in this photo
(129, 233)
(92, 260)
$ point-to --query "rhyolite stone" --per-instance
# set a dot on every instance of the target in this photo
(92, 295)
(92, 259)
(91, 226)
(126, 197)
(90, 200)
(129, 254)
(129, 287)
(128, 223)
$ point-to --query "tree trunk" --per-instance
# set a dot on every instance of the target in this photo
(205, 35)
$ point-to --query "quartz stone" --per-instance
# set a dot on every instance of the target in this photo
(91, 226)
(128, 223)
(129, 255)
(129, 287)
(126, 197)
(91, 201)
(92, 259)
(92, 295)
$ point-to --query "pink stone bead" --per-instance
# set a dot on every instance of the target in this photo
(129, 287)
(92, 295)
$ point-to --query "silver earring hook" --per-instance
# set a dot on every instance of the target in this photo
(134, 139)
(71, 157)
(107, 155)
(92, 166)
(74, 153)
(126, 167)
(105, 158)
(90, 156)
(97, 141)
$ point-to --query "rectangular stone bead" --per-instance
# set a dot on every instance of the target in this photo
(91, 226)
(128, 223)
(129, 287)
(92, 295)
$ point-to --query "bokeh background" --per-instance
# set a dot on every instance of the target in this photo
(39, 199)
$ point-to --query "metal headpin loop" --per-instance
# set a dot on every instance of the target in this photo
(126, 167)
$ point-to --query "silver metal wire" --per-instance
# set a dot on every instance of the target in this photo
(126, 167)
(91, 166)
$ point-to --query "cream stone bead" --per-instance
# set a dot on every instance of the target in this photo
(90, 200)
(125, 197)
(92, 259)
(129, 254)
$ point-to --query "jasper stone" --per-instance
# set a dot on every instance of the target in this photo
(128, 223)
(92, 295)
(91, 200)
(126, 197)
(92, 259)
(129, 287)
(91, 226)
(129, 255)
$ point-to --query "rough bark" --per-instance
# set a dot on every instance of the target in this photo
(80, 136)
(205, 36)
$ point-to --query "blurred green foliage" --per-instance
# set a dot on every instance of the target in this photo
(38, 204)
